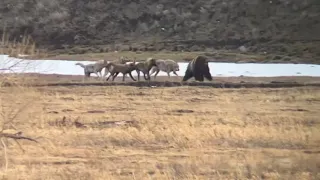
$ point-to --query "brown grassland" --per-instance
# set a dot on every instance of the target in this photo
(125, 132)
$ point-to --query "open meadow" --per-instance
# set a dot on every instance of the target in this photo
(249, 122)
(127, 132)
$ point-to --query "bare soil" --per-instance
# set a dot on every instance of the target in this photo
(35, 79)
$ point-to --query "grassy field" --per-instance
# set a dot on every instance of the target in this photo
(120, 132)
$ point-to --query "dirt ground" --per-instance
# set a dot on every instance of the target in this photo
(128, 132)
(162, 81)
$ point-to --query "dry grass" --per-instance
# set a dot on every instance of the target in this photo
(175, 133)
(24, 47)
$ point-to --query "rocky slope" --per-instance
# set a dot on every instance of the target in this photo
(287, 28)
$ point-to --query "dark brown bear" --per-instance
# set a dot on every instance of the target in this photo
(198, 68)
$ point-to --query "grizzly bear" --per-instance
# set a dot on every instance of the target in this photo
(198, 68)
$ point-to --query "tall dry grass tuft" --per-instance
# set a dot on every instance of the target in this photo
(14, 113)
(16, 98)
(25, 48)
(20, 50)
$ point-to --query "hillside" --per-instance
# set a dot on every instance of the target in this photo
(286, 28)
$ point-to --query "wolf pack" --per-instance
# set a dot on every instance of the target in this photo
(197, 68)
